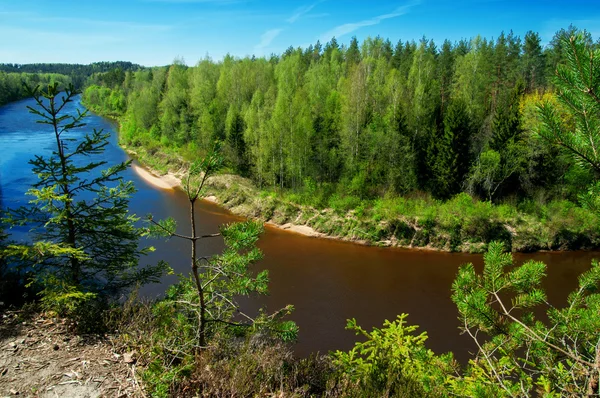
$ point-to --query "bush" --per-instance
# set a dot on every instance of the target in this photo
(83, 310)
(393, 361)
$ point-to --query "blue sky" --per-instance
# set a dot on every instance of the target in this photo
(155, 32)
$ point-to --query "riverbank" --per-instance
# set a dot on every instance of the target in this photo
(462, 224)
(171, 180)
(167, 181)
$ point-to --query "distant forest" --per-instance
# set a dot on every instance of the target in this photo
(13, 77)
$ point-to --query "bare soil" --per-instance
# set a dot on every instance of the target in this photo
(40, 357)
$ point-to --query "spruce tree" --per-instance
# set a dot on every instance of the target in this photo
(234, 130)
(83, 238)
(506, 126)
(353, 52)
(452, 162)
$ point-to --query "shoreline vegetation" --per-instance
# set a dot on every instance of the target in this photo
(462, 224)
(378, 144)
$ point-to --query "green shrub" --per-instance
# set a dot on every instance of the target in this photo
(84, 310)
(392, 361)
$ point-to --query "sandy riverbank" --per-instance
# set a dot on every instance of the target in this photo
(171, 181)
(168, 181)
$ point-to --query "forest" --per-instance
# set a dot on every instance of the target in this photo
(396, 129)
(13, 85)
(368, 119)
(15, 77)
(77, 73)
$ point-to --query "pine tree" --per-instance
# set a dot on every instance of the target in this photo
(353, 52)
(578, 85)
(83, 236)
(521, 355)
(234, 130)
(534, 62)
(208, 299)
(506, 126)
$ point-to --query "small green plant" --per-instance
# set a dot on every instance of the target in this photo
(202, 307)
(393, 361)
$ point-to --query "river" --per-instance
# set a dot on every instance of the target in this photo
(327, 281)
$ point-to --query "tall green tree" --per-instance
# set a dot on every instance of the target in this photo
(352, 52)
(83, 236)
(234, 130)
(506, 124)
(453, 159)
(473, 82)
(175, 119)
(534, 62)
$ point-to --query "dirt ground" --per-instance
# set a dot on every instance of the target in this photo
(40, 357)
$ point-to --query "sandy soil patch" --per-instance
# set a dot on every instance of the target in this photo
(299, 229)
(212, 199)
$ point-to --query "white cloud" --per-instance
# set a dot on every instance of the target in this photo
(348, 28)
(266, 39)
(300, 11)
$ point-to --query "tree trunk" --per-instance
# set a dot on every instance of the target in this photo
(64, 186)
(202, 336)
(593, 389)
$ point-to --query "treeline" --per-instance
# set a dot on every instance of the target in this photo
(364, 119)
(77, 72)
(13, 85)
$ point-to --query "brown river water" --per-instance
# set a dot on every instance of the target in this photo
(327, 281)
(330, 281)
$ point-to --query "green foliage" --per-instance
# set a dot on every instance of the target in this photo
(577, 81)
(506, 125)
(218, 281)
(105, 100)
(452, 155)
(344, 130)
(367, 117)
(393, 361)
(77, 73)
(84, 310)
(13, 83)
(493, 169)
(522, 355)
(84, 241)
(213, 312)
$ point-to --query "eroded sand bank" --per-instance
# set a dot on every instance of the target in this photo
(168, 181)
